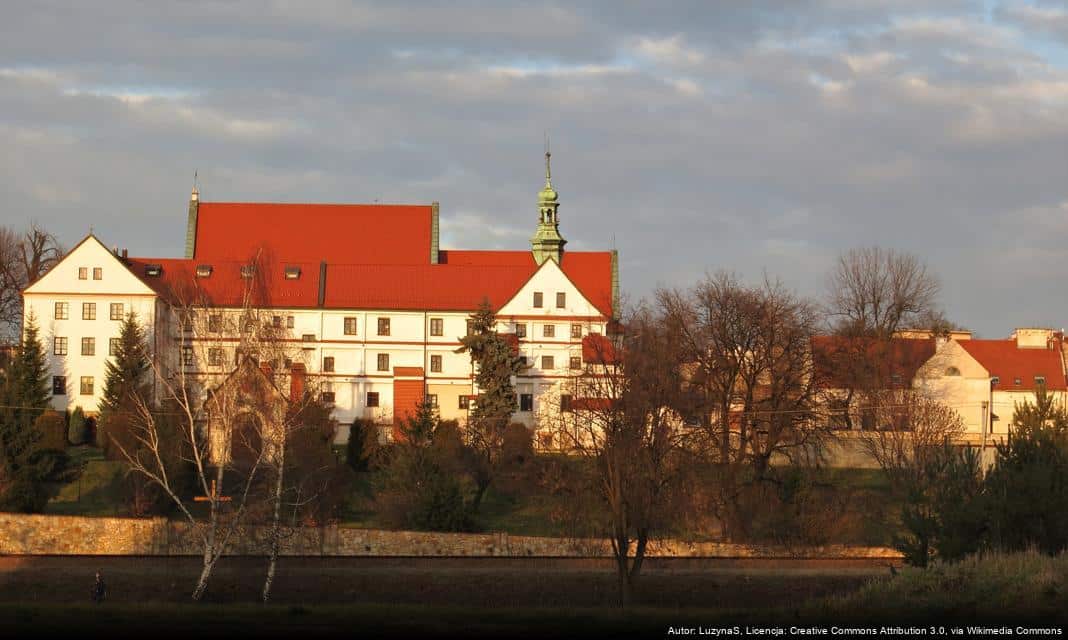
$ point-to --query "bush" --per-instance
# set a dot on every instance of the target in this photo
(517, 445)
(53, 430)
(362, 445)
(76, 432)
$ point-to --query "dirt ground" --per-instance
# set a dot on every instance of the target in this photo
(484, 582)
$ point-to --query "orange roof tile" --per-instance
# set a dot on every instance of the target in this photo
(347, 233)
(1002, 358)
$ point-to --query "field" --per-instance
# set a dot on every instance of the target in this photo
(518, 598)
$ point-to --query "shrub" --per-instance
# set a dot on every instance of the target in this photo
(53, 430)
(362, 444)
(76, 432)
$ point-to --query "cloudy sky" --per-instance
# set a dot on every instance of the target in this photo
(706, 136)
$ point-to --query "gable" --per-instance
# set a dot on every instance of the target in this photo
(549, 280)
(89, 254)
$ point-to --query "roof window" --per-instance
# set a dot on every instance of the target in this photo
(204, 270)
(292, 273)
(1016, 381)
(247, 270)
(1040, 380)
(995, 380)
(153, 270)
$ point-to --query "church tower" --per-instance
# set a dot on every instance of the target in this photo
(547, 242)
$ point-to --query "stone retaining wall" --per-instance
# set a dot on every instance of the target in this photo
(72, 535)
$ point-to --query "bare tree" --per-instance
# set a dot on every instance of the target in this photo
(227, 409)
(621, 419)
(23, 259)
(875, 292)
(753, 392)
(914, 426)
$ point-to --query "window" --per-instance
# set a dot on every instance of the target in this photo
(59, 385)
(437, 327)
(561, 299)
(113, 346)
(548, 331)
(372, 398)
(526, 402)
(432, 399)
(470, 327)
(537, 299)
(247, 270)
(308, 337)
(523, 360)
(1017, 381)
(215, 323)
(521, 330)
(62, 310)
(203, 270)
(328, 396)
(350, 326)
(994, 380)
(1040, 380)
(576, 330)
(59, 346)
(292, 273)
(98, 273)
(565, 403)
(952, 371)
(547, 362)
(276, 322)
(289, 322)
(328, 364)
(88, 346)
(465, 402)
(87, 385)
(116, 311)
(83, 273)
(435, 364)
(153, 270)
(187, 356)
(383, 326)
(215, 356)
(383, 362)
(88, 311)
(575, 363)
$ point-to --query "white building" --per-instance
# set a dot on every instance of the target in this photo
(361, 294)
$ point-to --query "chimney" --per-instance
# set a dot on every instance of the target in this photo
(296, 382)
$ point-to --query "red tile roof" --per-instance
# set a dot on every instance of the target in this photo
(344, 233)
(835, 357)
(1004, 359)
(598, 350)
(226, 288)
(420, 287)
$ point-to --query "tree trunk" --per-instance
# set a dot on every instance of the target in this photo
(272, 562)
(205, 573)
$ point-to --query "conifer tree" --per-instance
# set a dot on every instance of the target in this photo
(125, 372)
(495, 363)
(24, 395)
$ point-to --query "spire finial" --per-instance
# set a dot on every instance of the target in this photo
(195, 195)
(548, 154)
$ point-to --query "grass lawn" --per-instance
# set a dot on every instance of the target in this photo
(97, 491)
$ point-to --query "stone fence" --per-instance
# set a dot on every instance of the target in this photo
(72, 535)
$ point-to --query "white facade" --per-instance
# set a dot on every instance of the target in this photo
(363, 361)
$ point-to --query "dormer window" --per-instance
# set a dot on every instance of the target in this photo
(994, 381)
(1040, 380)
(247, 270)
(292, 273)
(1017, 381)
(204, 270)
(153, 270)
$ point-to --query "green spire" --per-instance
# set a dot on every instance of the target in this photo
(547, 241)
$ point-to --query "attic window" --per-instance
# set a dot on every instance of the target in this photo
(1040, 380)
(153, 270)
(1016, 381)
(204, 270)
(292, 273)
(247, 270)
(952, 371)
(994, 381)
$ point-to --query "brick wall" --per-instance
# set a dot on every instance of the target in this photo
(71, 535)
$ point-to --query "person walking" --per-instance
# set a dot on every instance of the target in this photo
(99, 590)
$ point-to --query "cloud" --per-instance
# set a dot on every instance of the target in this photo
(764, 136)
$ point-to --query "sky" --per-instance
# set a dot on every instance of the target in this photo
(758, 137)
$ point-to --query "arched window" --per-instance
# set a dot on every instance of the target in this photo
(952, 371)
